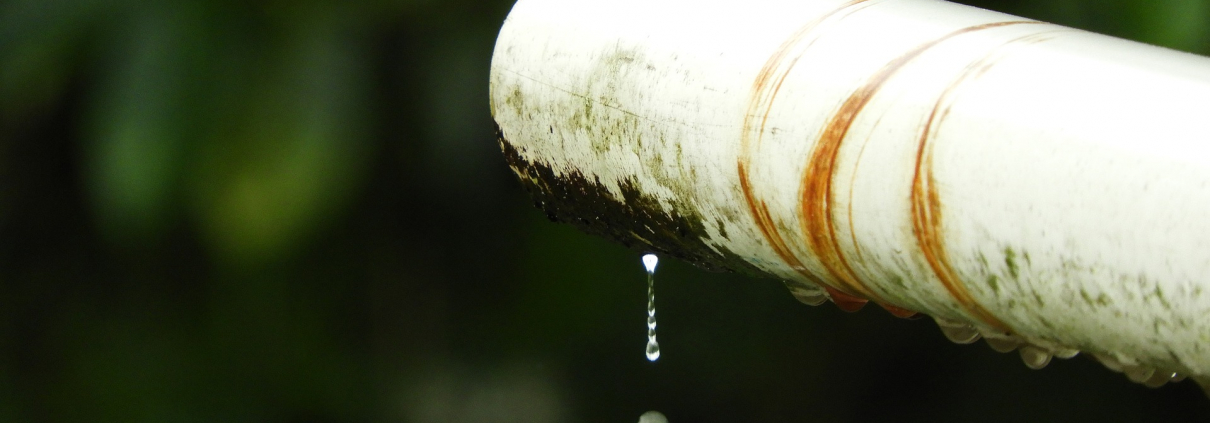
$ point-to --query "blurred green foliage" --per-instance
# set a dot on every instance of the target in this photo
(248, 120)
(296, 211)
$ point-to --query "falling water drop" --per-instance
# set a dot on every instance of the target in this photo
(653, 347)
(653, 417)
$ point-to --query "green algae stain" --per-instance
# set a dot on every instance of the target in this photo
(899, 281)
(994, 282)
(1010, 260)
(1087, 297)
(515, 99)
(1158, 293)
(1101, 300)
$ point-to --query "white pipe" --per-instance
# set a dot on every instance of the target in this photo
(1032, 183)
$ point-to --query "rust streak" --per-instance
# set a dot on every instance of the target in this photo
(767, 84)
(795, 39)
(927, 222)
(764, 221)
(816, 196)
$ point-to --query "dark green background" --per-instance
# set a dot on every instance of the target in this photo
(296, 211)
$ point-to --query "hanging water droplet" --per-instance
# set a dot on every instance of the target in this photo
(1034, 357)
(807, 294)
(1064, 353)
(957, 332)
(1003, 345)
(653, 347)
(1177, 377)
(1138, 374)
(811, 298)
(1158, 379)
(846, 302)
(649, 262)
(1110, 362)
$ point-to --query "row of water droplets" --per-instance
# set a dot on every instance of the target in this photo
(1034, 356)
(653, 347)
(1037, 356)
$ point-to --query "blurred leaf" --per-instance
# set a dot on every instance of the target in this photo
(1178, 24)
(39, 48)
(286, 151)
(139, 121)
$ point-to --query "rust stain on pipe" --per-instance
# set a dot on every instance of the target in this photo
(927, 224)
(764, 221)
(818, 220)
(763, 96)
(765, 88)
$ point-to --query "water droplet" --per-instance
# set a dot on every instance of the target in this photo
(653, 347)
(1177, 377)
(812, 299)
(653, 417)
(1034, 357)
(845, 301)
(957, 332)
(1138, 374)
(1110, 362)
(1064, 353)
(807, 294)
(900, 312)
(1003, 345)
(653, 350)
(1158, 379)
(649, 262)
